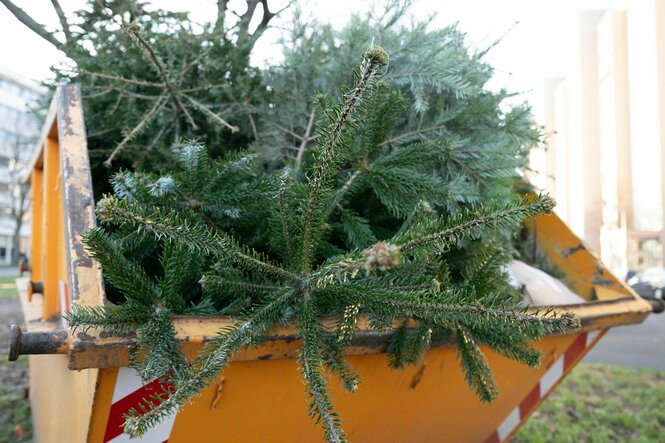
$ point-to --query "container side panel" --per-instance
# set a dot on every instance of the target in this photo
(60, 399)
(582, 269)
(53, 229)
(102, 404)
(36, 227)
(264, 401)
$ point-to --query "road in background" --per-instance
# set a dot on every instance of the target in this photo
(634, 346)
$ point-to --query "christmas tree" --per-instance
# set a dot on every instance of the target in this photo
(364, 233)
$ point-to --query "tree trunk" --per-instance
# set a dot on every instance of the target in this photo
(16, 242)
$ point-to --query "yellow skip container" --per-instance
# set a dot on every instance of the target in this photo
(80, 385)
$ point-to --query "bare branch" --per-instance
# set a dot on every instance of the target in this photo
(159, 104)
(246, 18)
(265, 20)
(204, 55)
(288, 131)
(203, 108)
(267, 16)
(63, 21)
(253, 123)
(152, 144)
(35, 27)
(134, 33)
(305, 140)
(221, 16)
(130, 81)
(184, 110)
(418, 132)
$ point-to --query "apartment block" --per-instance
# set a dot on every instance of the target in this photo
(18, 130)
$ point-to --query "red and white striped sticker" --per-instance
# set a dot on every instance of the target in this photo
(556, 372)
(129, 391)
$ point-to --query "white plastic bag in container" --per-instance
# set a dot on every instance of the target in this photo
(541, 289)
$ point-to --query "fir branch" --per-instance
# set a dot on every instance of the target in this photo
(310, 365)
(478, 315)
(178, 268)
(215, 356)
(109, 319)
(509, 342)
(333, 354)
(357, 229)
(415, 133)
(159, 352)
(242, 285)
(179, 230)
(374, 59)
(477, 372)
(533, 324)
(528, 207)
(125, 274)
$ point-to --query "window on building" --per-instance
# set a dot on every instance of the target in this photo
(650, 253)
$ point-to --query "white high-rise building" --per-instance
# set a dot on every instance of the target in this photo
(18, 130)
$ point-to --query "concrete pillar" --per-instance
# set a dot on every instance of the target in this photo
(589, 108)
(659, 18)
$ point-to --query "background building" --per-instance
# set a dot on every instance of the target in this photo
(605, 157)
(18, 130)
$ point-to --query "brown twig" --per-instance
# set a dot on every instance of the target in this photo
(119, 79)
(305, 140)
(419, 132)
(152, 113)
(203, 108)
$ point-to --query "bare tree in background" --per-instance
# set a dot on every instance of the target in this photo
(19, 192)
(196, 85)
(226, 21)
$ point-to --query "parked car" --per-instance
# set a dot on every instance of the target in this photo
(649, 282)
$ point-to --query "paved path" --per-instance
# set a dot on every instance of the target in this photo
(635, 346)
(8, 271)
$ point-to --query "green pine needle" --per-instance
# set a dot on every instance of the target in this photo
(374, 229)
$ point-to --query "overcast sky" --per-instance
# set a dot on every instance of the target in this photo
(538, 42)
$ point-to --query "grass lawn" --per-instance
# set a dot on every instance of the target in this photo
(7, 286)
(601, 403)
(15, 420)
